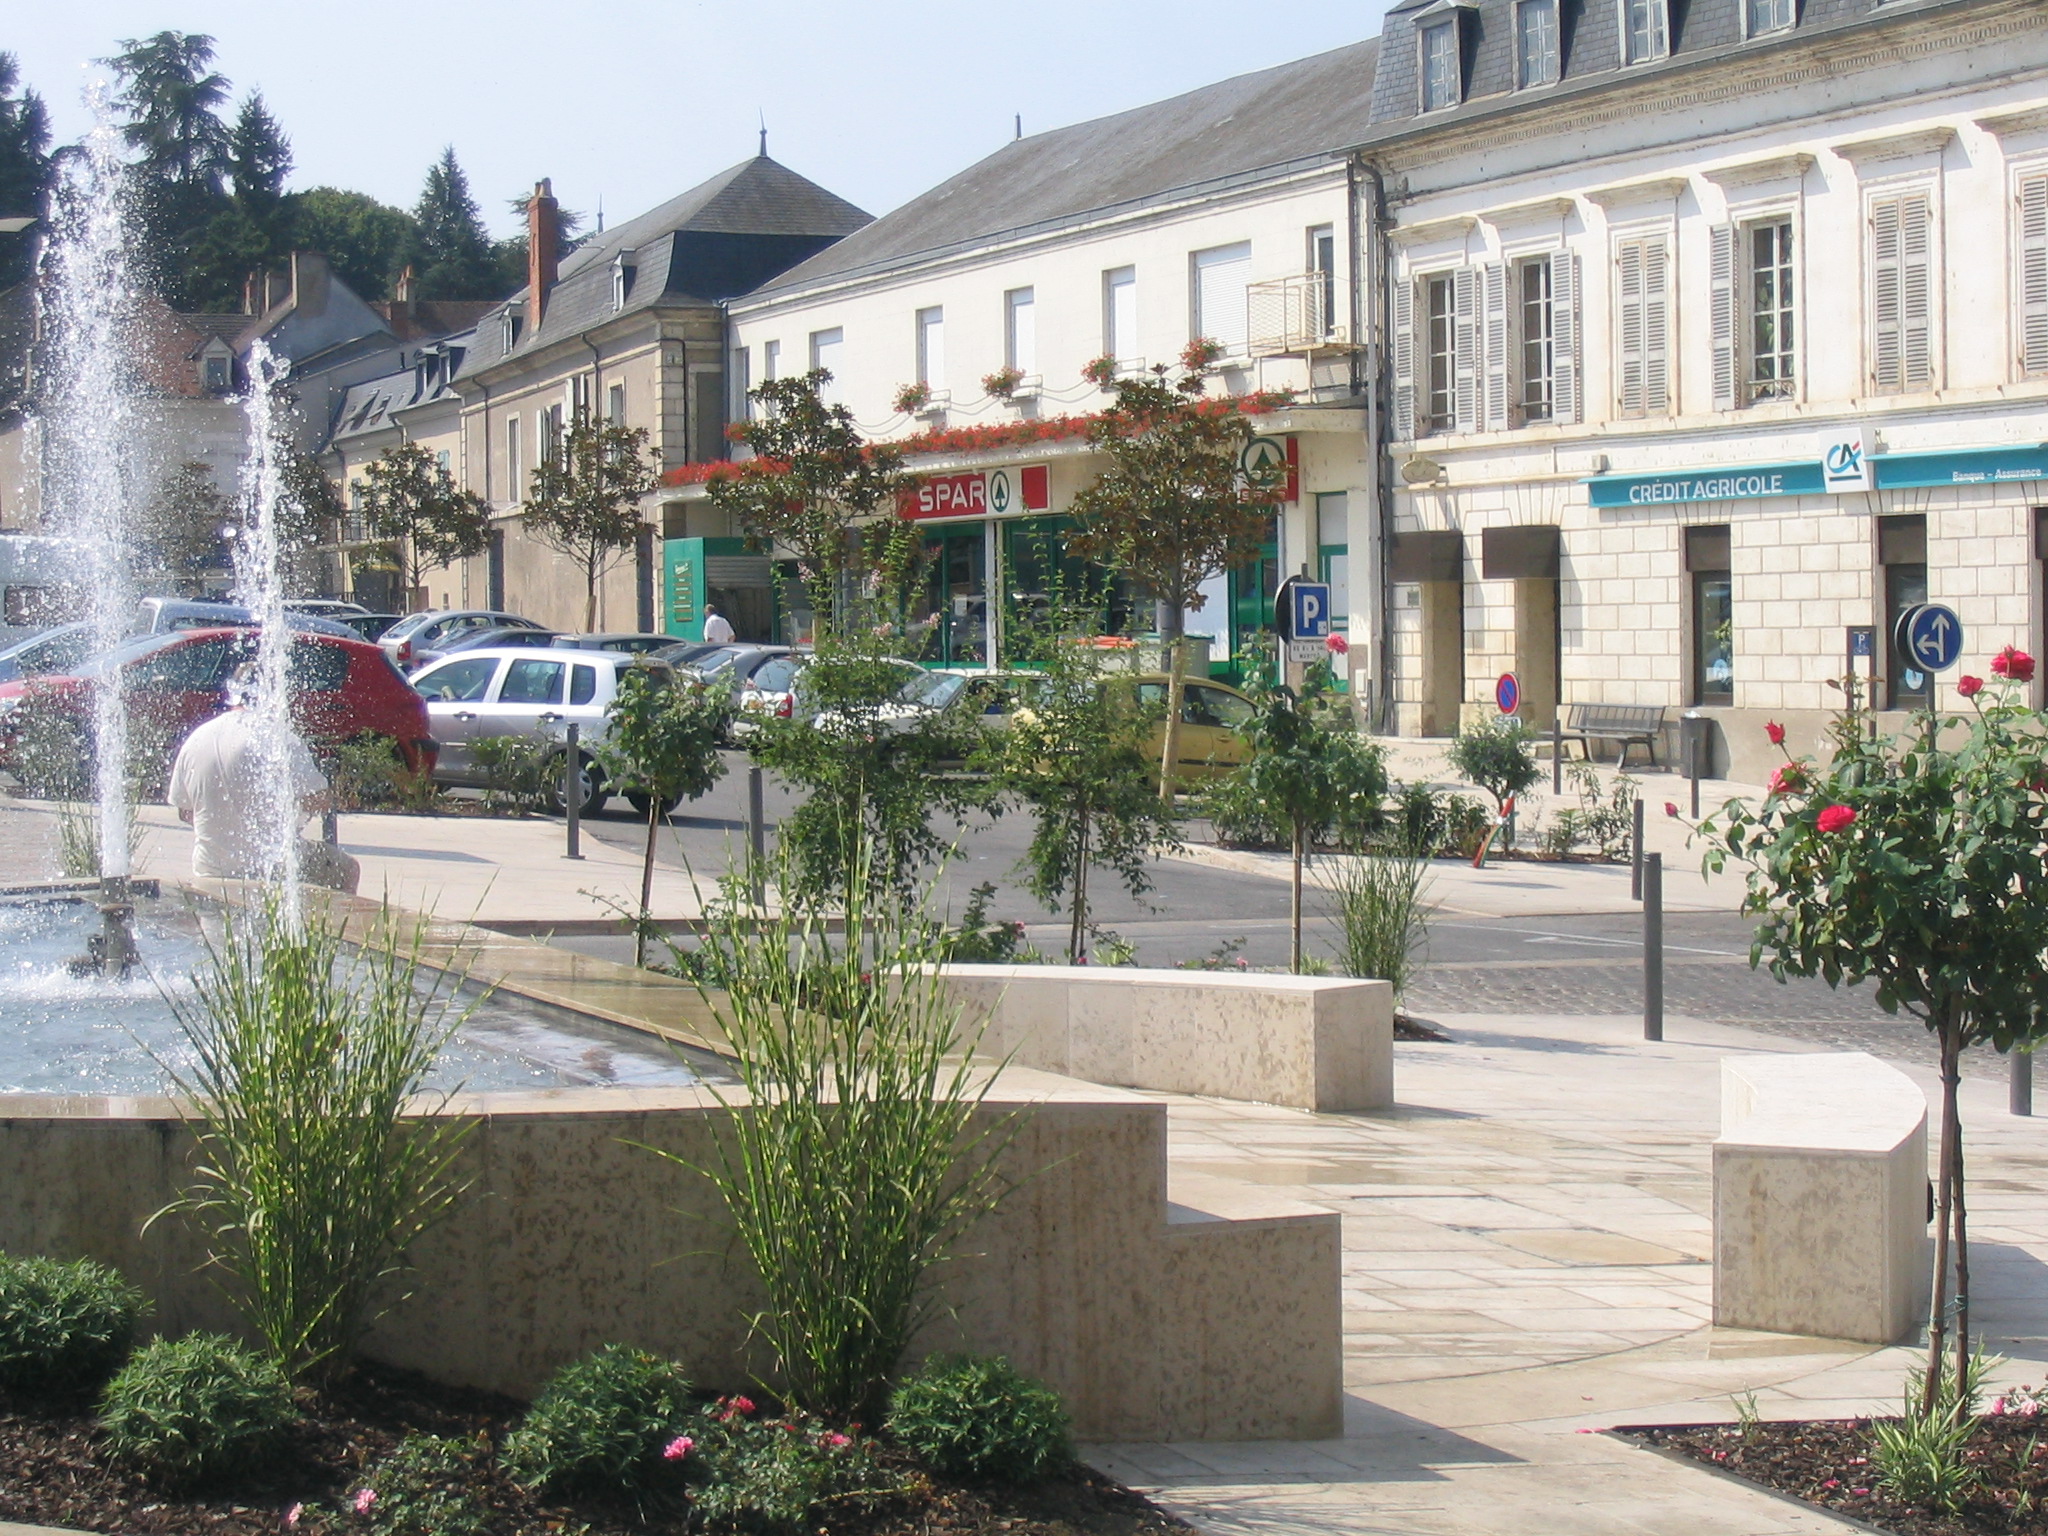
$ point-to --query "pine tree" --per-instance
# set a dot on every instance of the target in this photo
(24, 167)
(172, 99)
(452, 252)
(252, 229)
(259, 157)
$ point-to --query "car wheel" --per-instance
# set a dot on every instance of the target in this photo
(589, 777)
(641, 802)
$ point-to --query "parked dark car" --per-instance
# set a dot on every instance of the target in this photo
(371, 626)
(420, 638)
(499, 639)
(343, 688)
(52, 650)
(162, 615)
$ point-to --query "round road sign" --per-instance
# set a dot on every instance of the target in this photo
(1507, 693)
(1929, 637)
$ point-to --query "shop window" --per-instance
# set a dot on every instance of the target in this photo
(1707, 564)
(1902, 556)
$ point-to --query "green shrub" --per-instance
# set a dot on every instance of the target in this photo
(768, 1475)
(197, 1408)
(602, 1422)
(1497, 755)
(423, 1489)
(980, 1417)
(63, 1327)
(519, 773)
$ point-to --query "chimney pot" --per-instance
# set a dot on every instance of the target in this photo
(543, 242)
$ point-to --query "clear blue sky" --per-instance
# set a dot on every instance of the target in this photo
(632, 101)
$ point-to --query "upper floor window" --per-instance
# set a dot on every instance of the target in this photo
(1536, 43)
(624, 269)
(1535, 321)
(1221, 307)
(1760, 16)
(826, 348)
(931, 347)
(1645, 30)
(1439, 353)
(1642, 331)
(515, 478)
(217, 376)
(1440, 82)
(771, 360)
(508, 328)
(1322, 266)
(551, 434)
(1020, 331)
(1120, 314)
(1771, 321)
(2033, 275)
(1901, 293)
(615, 403)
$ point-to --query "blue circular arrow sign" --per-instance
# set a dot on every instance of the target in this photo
(1933, 637)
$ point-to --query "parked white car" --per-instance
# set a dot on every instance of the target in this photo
(518, 692)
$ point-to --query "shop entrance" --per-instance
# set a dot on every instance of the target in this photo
(950, 628)
(1434, 563)
(1046, 589)
(1254, 588)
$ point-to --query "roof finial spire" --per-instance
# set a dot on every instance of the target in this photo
(764, 135)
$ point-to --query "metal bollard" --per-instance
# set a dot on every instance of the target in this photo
(1653, 946)
(572, 792)
(330, 828)
(1556, 754)
(757, 834)
(1635, 874)
(2021, 1097)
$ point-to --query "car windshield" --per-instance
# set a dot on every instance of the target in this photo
(774, 675)
(406, 626)
(59, 651)
(932, 690)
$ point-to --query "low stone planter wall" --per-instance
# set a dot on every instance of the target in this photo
(1217, 1322)
(1820, 1197)
(1312, 1042)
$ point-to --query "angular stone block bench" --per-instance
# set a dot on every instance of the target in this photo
(1820, 1197)
(1311, 1042)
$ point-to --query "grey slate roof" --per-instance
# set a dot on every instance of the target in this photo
(369, 406)
(756, 198)
(1291, 113)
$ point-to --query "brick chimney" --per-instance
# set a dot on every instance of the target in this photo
(543, 240)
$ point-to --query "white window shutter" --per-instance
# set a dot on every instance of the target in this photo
(1721, 262)
(1656, 330)
(1628, 328)
(1916, 293)
(2033, 315)
(1465, 348)
(1494, 279)
(1886, 376)
(1565, 393)
(1404, 359)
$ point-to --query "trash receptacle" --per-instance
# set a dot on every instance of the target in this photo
(1696, 745)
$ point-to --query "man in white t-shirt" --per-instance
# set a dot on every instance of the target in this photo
(215, 787)
(717, 627)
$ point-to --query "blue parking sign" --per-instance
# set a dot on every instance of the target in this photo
(1308, 610)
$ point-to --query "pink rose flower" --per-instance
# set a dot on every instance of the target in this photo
(291, 1517)
(1670, 807)
(1835, 818)
(677, 1448)
(1968, 686)
(837, 1441)
(1337, 644)
(365, 1497)
(1776, 732)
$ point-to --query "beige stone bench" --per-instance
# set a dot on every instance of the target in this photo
(1312, 1042)
(1820, 1197)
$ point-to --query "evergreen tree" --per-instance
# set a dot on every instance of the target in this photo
(24, 167)
(252, 231)
(451, 254)
(366, 241)
(259, 157)
(172, 99)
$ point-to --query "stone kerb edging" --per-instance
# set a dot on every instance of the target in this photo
(1820, 1197)
(1309, 1042)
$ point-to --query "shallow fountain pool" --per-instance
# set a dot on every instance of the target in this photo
(68, 1034)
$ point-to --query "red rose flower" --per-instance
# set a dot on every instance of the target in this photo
(1787, 778)
(1776, 732)
(1670, 808)
(1967, 685)
(1834, 818)
(2014, 663)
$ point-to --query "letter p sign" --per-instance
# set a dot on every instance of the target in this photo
(1310, 618)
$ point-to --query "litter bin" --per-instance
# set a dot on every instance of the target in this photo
(1696, 745)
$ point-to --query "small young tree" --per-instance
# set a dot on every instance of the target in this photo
(585, 501)
(662, 749)
(1496, 755)
(1172, 510)
(1306, 764)
(815, 486)
(1917, 866)
(426, 520)
(179, 536)
(1076, 754)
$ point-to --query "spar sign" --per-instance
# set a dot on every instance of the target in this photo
(978, 493)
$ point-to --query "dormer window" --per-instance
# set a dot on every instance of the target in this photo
(1645, 30)
(1536, 44)
(509, 323)
(1761, 16)
(215, 376)
(1440, 82)
(624, 269)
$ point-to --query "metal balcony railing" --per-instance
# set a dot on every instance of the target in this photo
(1295, 316)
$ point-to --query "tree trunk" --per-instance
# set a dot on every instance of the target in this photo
(1080, 922)
(1937, 1306)
(1300, 837)
(646, 881)
(1950, 1110)
(1176, 667)
(590, 601)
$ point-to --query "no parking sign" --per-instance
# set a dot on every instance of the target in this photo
(1507, 693)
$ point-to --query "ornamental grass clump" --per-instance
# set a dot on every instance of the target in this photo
(196, 1409)
(979, 1416)
(64, 1328)
(860, 1155)
(317, 1165)
(603, 1423)
(1382, 920)
(1914, 862)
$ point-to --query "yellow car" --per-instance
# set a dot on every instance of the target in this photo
(1210, 714)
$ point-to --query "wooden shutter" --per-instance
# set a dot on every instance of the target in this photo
(1404, 359)
(1494, 285)
(2033, 315)
(1628, 329)
(1465, 349)
(1916, 292)
(1656, 329)
(1885, 377)
(1565, 393)
(1722, 246)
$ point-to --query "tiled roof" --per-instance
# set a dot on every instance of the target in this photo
(1291, 113)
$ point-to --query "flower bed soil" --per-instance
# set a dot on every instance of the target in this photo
(1826, 1463)
(53, 1472)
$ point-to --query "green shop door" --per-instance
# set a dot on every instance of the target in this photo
(950, 628)
(1253, 589)
(695, 572)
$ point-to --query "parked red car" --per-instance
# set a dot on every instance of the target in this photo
(173, 682)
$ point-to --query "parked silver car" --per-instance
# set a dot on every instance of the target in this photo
(505, 691)
(419, 639)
